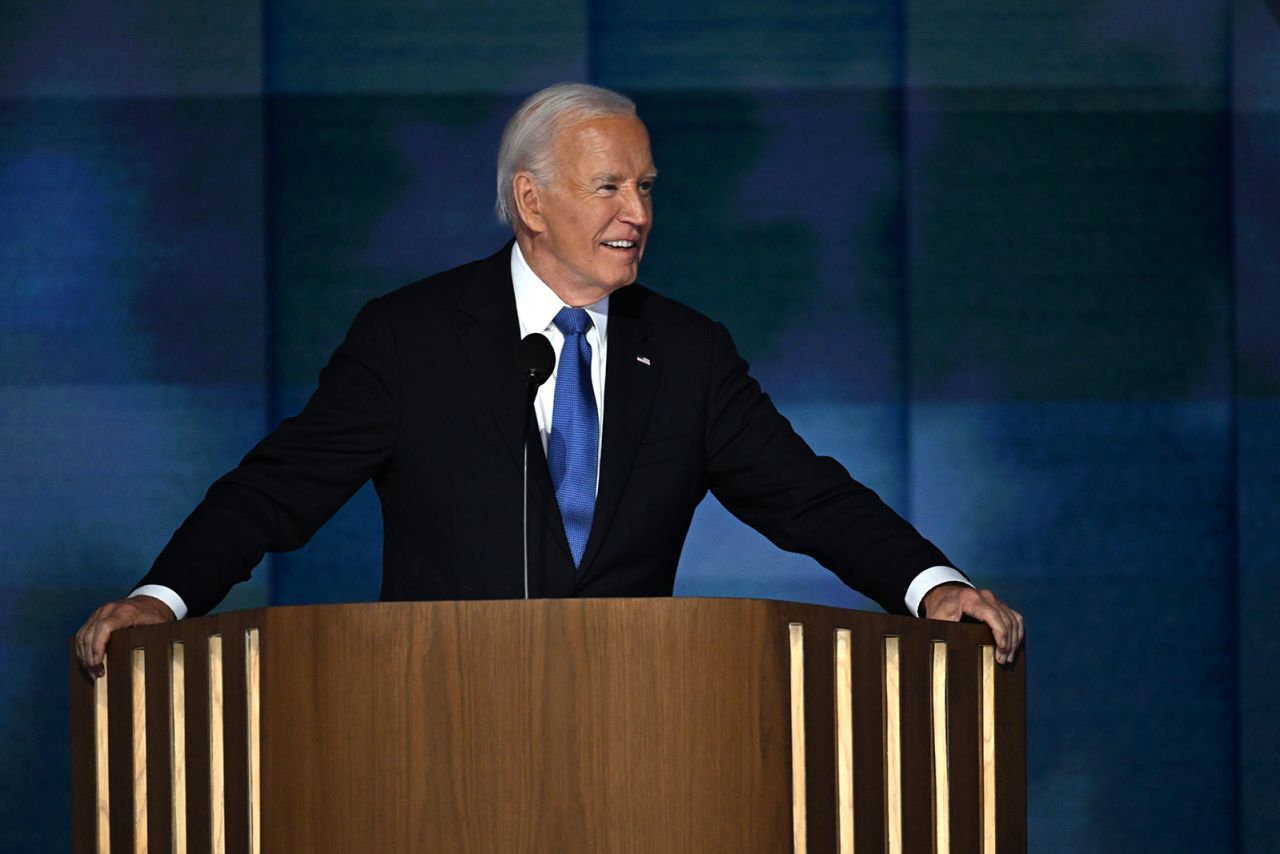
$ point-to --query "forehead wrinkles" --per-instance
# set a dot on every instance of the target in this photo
(593, 147)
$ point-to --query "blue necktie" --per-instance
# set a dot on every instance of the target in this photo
(575, 432)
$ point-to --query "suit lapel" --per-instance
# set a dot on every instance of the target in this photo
(489, 331)
(630, 386)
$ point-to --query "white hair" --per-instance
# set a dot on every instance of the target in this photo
(529, 137)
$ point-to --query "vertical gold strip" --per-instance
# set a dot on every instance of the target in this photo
(138, 682)
(892, 748)
(988, 750)
(941, 778)
(252, 696)
(844, 740)
(799, 821)
(101, 756)
(217, 788)
(178, 745)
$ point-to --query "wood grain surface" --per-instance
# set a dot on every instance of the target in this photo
(548, 726)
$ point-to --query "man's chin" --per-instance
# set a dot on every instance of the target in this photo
(627, 277)
(613, 287)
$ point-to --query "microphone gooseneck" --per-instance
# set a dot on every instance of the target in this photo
(537, 361)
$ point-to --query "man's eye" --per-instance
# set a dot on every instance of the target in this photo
(609, 187)
(646, 186)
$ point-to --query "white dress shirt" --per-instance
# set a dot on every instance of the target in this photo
(536, 308)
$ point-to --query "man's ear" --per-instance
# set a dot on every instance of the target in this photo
(528, 201)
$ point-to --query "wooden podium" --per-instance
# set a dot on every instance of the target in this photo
(607, 725)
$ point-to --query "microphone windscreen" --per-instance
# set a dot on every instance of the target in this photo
(537, 358)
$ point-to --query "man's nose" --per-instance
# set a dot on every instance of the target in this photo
(635, 208)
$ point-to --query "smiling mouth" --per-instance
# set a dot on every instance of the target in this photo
(620, 244)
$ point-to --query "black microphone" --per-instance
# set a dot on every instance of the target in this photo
(537, 361)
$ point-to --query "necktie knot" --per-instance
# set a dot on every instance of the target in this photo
(572, 321)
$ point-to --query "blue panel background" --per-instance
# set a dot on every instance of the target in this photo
(1256, 159)
(1013, 264)
(132, 354)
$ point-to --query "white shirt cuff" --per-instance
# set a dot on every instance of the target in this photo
(165, 595)
(926, 581)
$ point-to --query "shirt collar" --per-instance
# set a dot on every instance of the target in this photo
(537, 305)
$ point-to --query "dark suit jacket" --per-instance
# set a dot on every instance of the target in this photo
(425, 397)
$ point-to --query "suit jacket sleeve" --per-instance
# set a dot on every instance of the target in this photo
(768, 477)
(296, 478)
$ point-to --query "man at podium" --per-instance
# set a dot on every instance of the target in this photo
(647, 409)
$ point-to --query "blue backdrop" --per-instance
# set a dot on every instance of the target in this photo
(1014, 264)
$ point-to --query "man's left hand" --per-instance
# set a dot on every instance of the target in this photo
(953, 601)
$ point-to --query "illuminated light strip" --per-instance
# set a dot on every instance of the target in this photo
(799, 821)
(101, 754)
(988, 750)
(252, 668)
(217, 785)
(892, 748)
(844, 740)
(138, 683)
(178, 746)
(941, 777)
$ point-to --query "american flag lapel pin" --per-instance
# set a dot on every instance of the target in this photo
(644, 360)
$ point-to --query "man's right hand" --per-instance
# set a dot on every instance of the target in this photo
(91, 640)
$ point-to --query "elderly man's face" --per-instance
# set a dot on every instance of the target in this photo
(598, 208)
